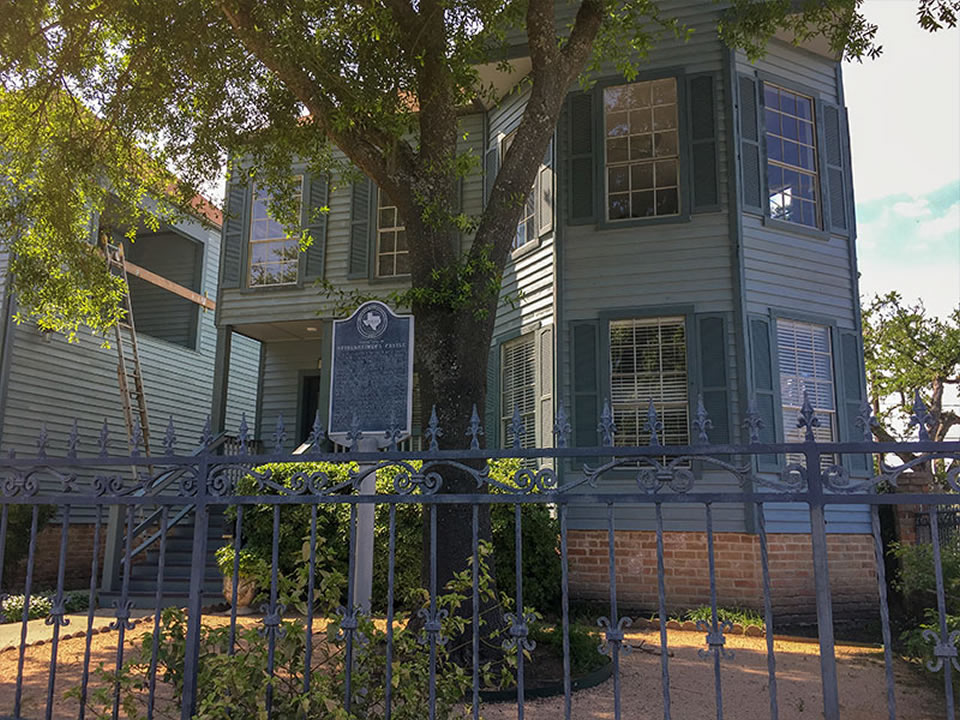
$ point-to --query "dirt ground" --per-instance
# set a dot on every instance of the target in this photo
(743, 677)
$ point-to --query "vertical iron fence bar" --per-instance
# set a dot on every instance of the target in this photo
(348, 633)
(662, 599)
(311, 582)
(94, 568)
(157, 604)
(391, 580)
(715, 629)
(3, 542)
(519, 618)
(475, 585)
(884, 612)
(235, 578)
(565, 611)
(821, 581)
(273, 610)
(123, 607)
(191, 657)
(58, 605)
(944, 638)
(767, 612)
(433, 613)
(614, 628)
(26, 610)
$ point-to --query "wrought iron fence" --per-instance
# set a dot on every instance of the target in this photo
(361, 656)
(948, 527)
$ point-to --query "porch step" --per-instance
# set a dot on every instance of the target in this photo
(177, 569)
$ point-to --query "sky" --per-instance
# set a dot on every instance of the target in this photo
(904, 113)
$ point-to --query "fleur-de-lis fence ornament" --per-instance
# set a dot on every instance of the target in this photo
(279, 435)
(561, 427)
(58, 609)
(206, 435)
(317, 433)
(122, 615)
(613, 635)
(272, 620)
(169, 438)
(43, 439)
(394, 434)
(354, 434)
(753, 422)
(73, 441)
(944, 649)
(653, 425)
(433, 432)
(433, 625)
(103, 441)
(866, 421)
(716, 640)
(702, 423)
(607, 428)
(349, 624)
(474, 429)
(243, 434)
(921, 418)
(136, 438)
(517, 428)
(519, 631)
(807, 418)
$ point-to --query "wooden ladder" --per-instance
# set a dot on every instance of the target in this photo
(129, 373)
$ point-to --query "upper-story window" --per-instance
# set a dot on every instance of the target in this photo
(642, 150)
(518, 390)
(791, 156)
(393, 256)
(527, 226)
(274, 255)
(648, 361)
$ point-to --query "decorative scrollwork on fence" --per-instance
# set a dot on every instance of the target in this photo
(613, 635)
(273, 620)
(716, 640)
(433, 625)
(944, 649)
(519, 631)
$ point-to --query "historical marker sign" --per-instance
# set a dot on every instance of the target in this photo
(371, 374)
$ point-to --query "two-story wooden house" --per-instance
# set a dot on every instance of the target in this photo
(690, 233)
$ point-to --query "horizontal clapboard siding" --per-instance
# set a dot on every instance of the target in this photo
(283, 363)
(245, 306)
(794, 65)
(53, 381)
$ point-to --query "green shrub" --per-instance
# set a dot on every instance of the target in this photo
(916, 580)
(19, 519)
(251, 565)
(40, 606)
(736, 616)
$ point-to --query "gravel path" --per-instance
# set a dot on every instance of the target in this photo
(744, 681)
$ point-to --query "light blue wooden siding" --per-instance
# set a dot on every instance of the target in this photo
(53, 381)
(245, 306)
(796, 66)
(283, 364)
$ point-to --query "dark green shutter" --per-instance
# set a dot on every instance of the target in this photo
(235, 225)
(491, 166)
(751, 170)
(491, 423)
(713, 376)
(316, 224)
(765, 376)
(581, 167)
(853, 395)
(703, 143)
(835, 186)
(361, 204)
(586, 384)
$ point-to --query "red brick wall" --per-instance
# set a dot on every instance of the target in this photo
(738, 571)
(47, 557)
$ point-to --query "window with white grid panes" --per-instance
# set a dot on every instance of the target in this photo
(642, 150)
(792, 185)
(527, 226)
(393, 256)
(274, 256)
(518, 389)
(648, 361)
(805, 359)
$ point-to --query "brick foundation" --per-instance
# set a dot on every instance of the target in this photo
(738, 571)
(47, 557)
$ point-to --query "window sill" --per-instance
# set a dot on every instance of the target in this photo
(527, 248)
(642, 222)
(795, 228)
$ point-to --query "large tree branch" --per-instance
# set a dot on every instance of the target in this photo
(541, 34)
(881, 434)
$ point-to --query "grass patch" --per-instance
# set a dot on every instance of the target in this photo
(744, 617)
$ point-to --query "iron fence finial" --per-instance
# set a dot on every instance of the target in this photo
(866, 421)
(104, 439)
(475, 429)
(243, 434)
(807, 418)
(653, 425)
(921, 417)
(317, 432)
(434, 432)
(73, 440)
(607, 427)
(561, 427)
(702, 422)
(517, 428)
(43, 439)
(206, 436)
(355, 434)
(136, 438)
(753, 422)
(169, 438)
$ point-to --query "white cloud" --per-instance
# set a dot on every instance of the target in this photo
(904, 107)
(913, 209)
(936, 283)
(948, 223)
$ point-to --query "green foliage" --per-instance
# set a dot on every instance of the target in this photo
(737, 616)
(12, 607)
(584, 641)
(234, 685)
(916, 579)
(19, 519)
(250, 566)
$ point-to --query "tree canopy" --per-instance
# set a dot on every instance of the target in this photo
(112, 99)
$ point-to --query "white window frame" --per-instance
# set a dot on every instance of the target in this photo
(634, 114)
(779, 204)
(670, 394)
(397, 230)
(281, 239)
(512, 352)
